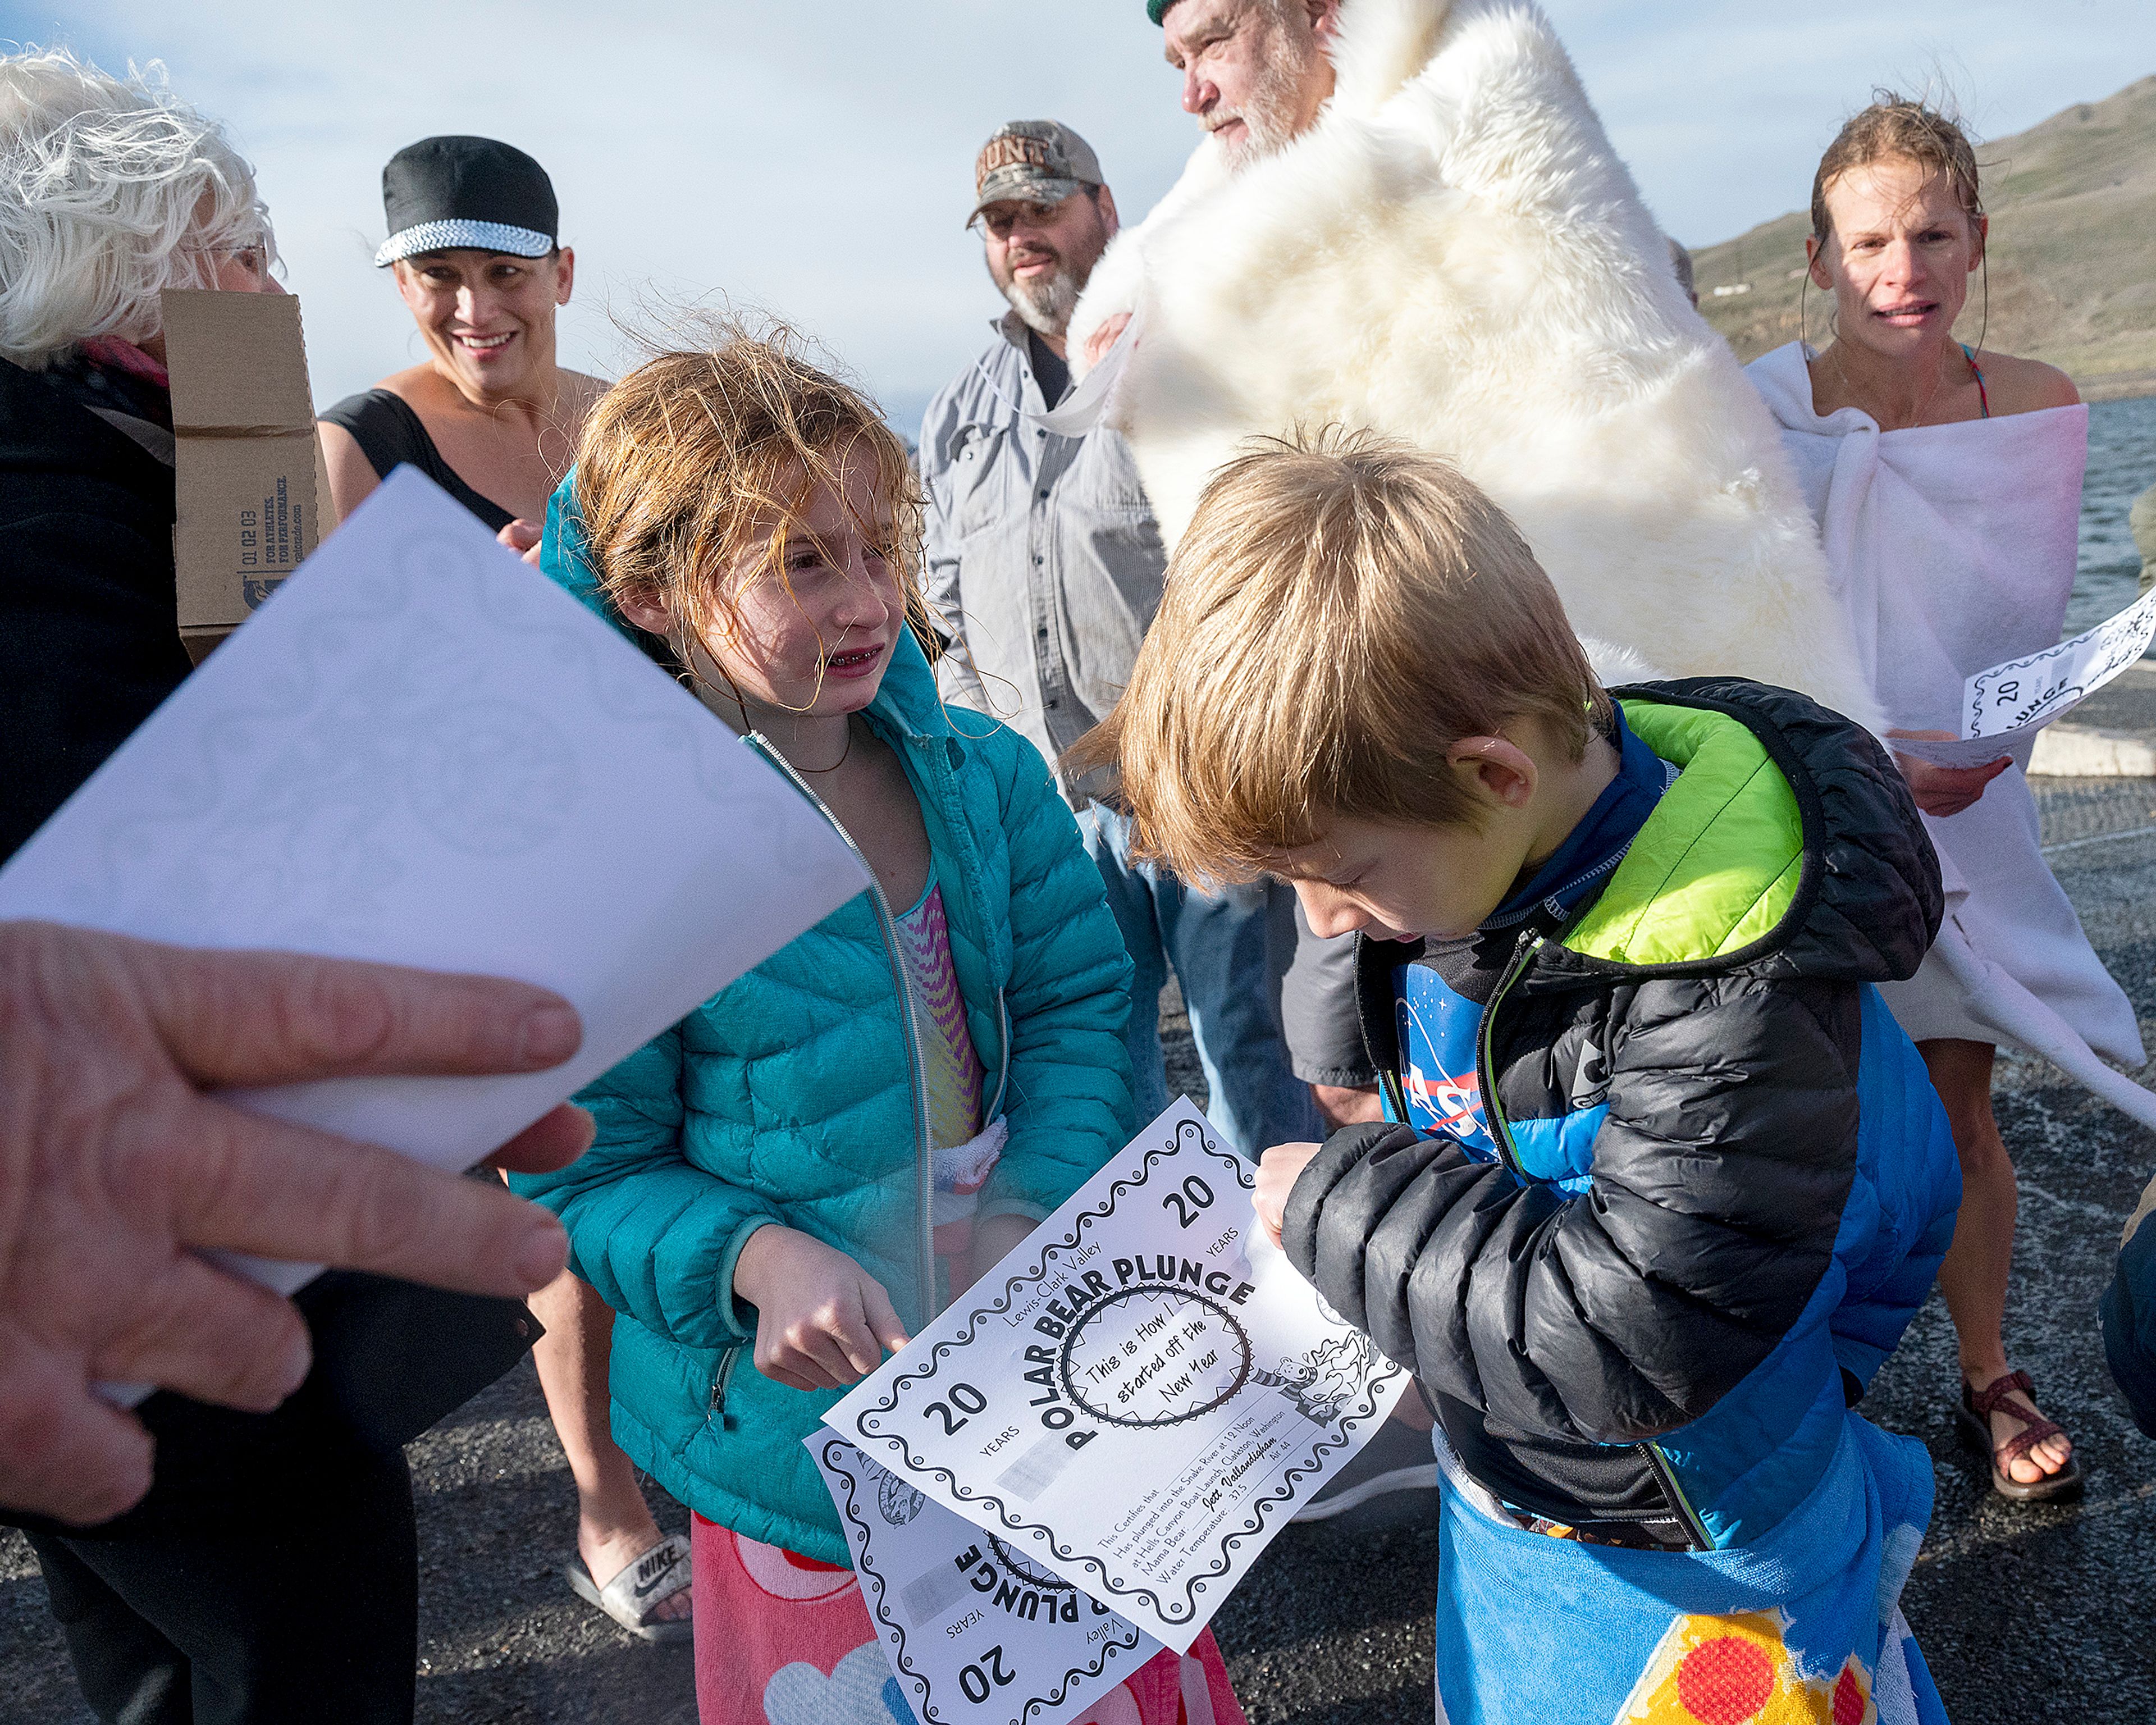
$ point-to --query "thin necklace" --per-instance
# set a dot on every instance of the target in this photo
(843, 753)
(749, 726)
(1922, 407)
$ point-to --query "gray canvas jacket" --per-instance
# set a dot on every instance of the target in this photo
(1043, 562)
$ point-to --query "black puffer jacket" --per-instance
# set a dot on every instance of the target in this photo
(1723, 1181)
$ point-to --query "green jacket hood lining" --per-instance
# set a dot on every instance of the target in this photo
(1717, 870)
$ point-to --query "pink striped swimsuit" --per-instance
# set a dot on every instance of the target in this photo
(952, 1068)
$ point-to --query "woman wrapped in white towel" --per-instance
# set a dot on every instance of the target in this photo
(1947, 483)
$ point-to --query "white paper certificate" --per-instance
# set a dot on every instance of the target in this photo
(1138, 1398)
(976, 1634)
(2009, 702)
(421, 752)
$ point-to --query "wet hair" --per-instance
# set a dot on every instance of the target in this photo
(1681, 264)
(698, 460)
(111, 190)
(1895, 128)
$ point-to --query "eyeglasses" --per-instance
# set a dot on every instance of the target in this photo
(253, 257)
(1003, 217)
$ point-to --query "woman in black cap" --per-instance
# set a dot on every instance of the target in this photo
(490, 417)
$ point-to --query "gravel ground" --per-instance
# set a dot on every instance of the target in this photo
(2026, 1613)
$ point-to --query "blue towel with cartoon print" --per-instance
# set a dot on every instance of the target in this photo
(1801, 1627)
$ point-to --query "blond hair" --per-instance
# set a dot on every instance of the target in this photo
(1894, 128)
(699, 460)
(1342, 609)
(111, 190)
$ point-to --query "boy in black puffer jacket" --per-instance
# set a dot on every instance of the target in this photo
(1661, 1181)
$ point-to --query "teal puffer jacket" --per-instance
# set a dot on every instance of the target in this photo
(789, 1097)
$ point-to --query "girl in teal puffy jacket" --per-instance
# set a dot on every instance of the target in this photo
(799, 1174)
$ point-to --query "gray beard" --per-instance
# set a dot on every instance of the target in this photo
(1266, 116)
(1045, 306)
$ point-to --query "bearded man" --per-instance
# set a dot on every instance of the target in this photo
(1405, 216)
(1045, 565)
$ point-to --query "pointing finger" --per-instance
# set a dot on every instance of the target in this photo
(276, 1018)
(251, 1184)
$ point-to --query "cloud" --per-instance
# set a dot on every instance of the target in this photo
(816, 161)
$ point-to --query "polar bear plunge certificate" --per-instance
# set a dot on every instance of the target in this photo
(975, 1634)
(1139, 1397)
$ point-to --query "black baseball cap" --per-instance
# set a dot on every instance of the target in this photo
(466, 194)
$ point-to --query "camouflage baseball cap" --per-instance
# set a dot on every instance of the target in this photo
(1033, 161)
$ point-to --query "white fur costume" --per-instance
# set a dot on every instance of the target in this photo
(1455, 254)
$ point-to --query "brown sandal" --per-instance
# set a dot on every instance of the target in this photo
(1974, 1411)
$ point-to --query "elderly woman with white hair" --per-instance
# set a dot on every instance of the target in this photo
(109, 191)
(271, 1573)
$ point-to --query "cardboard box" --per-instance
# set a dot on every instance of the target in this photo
(247, 469)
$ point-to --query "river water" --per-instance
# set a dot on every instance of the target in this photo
(2121, 466)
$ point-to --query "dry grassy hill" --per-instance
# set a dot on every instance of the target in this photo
(2073, 251)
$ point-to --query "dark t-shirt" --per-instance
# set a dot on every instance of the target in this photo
(1049, 369)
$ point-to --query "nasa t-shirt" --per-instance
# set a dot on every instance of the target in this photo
(1439, 997)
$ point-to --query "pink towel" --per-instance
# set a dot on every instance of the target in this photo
(784, 1639)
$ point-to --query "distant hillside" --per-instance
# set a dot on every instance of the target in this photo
(2073, 251)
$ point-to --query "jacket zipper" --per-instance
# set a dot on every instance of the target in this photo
(1002, 1066)
(1665, 1475)
(916, 1071)
(1501, 1129)
(724, 1378)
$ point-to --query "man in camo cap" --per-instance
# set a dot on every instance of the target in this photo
(1044, 565)
(1045, 216)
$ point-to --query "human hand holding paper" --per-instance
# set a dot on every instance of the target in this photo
(122, 1165)
(421, 752)
(2007, 704)
(1940, 789)
(1278, 1170)
(822, 1321)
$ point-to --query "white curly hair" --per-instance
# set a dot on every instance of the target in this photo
(111, 189)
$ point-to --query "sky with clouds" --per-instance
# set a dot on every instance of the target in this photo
(814, 161)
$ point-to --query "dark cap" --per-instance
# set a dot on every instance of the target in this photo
(1033, 161)
(466, 194)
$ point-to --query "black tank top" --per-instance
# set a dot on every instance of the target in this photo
(387, 431)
